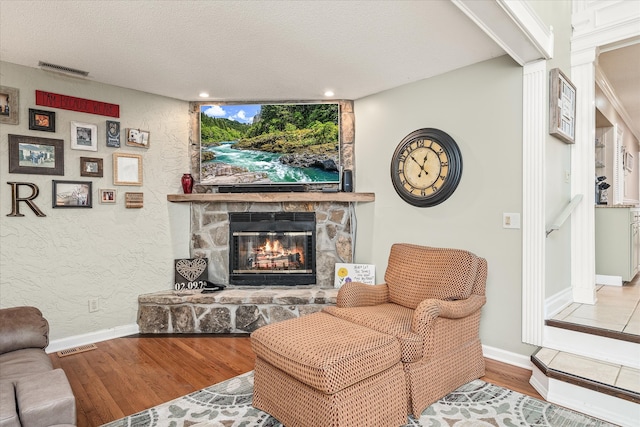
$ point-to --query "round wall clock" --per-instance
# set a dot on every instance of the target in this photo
(426, 167)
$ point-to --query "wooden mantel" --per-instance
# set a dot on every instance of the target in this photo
(272, 197)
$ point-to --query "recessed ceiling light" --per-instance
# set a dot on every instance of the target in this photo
(329, 93)
(203, 95)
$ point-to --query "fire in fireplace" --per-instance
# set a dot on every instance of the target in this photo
(272, 248)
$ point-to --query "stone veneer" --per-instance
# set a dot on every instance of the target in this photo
(210, 234)
(227, 311)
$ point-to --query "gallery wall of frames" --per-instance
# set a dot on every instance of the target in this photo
(102, 139)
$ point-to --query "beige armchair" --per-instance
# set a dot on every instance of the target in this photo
(430, 302)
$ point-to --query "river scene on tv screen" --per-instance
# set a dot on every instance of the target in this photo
(269, 143)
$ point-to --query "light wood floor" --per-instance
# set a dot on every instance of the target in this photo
(127, 375)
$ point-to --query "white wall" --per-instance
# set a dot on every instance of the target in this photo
(480, 106)
(58, 262)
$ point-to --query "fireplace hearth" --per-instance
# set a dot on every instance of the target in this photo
(272, 248)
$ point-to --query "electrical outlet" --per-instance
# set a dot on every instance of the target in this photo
(510, 220)
(93, 305)
(567, 176)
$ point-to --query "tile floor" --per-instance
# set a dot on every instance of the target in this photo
(617, 309)
(596, 370)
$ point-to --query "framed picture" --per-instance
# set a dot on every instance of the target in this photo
(91, 166)
(71, 194)
(42, 120)
(628, 161)
(84, 136)
(138, 138)
(562, 107)
(127, 169)
(113, 134)
(108, 195)
(37, 156)
(9, 100)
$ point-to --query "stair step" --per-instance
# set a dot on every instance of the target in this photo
(593, 330)
(615, 380)
(601, 389)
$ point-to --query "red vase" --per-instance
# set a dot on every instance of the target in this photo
(187, 183)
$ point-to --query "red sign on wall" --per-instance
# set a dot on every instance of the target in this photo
(64, 102)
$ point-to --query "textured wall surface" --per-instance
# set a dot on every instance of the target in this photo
(109, 253)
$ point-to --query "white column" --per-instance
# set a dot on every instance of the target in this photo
(533, 204)
(583, 171)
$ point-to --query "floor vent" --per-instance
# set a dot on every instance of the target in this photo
(76, 350)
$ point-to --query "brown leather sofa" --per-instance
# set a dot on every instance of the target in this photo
(32, 393)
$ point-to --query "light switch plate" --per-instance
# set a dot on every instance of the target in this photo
(510, 220)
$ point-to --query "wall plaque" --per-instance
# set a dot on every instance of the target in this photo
(133, 200)
(65, 102)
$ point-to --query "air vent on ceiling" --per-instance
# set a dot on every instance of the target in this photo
(62, 69)
(76, 350)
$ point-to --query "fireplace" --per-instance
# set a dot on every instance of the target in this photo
(272, 248)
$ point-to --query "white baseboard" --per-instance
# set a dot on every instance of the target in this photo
(507, 357)
(556, 303)
(601, 279)
(91, 337)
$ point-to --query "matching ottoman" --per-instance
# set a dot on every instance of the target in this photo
(320, 370)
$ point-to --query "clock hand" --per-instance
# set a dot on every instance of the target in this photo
(418, 163)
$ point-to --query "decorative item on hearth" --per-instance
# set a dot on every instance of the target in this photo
(187, 183)
(190, 274)
(363, 273)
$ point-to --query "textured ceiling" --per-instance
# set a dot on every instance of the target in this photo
(245, 50)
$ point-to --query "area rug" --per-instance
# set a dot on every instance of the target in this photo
(477, 403)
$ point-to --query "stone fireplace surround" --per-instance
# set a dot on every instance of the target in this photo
(243, 310)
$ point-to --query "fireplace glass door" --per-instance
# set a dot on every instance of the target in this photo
(272, 249)
(273, 252)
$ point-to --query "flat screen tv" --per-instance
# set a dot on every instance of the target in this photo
(265, 144)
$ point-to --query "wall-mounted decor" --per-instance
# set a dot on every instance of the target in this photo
(65, 102)
(426, 167)
(9, 103)
(138, 138)
(562, 107)
(190, 274)
(39, 156)
(133, 200)
(84, 136)
(127, 169)
(71, 194)
(628, 161)
(91, 166)
(16, 198)
(42, 120)
(113, 134)
(108, 195)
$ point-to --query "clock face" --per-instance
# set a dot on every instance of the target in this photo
(426, 167)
